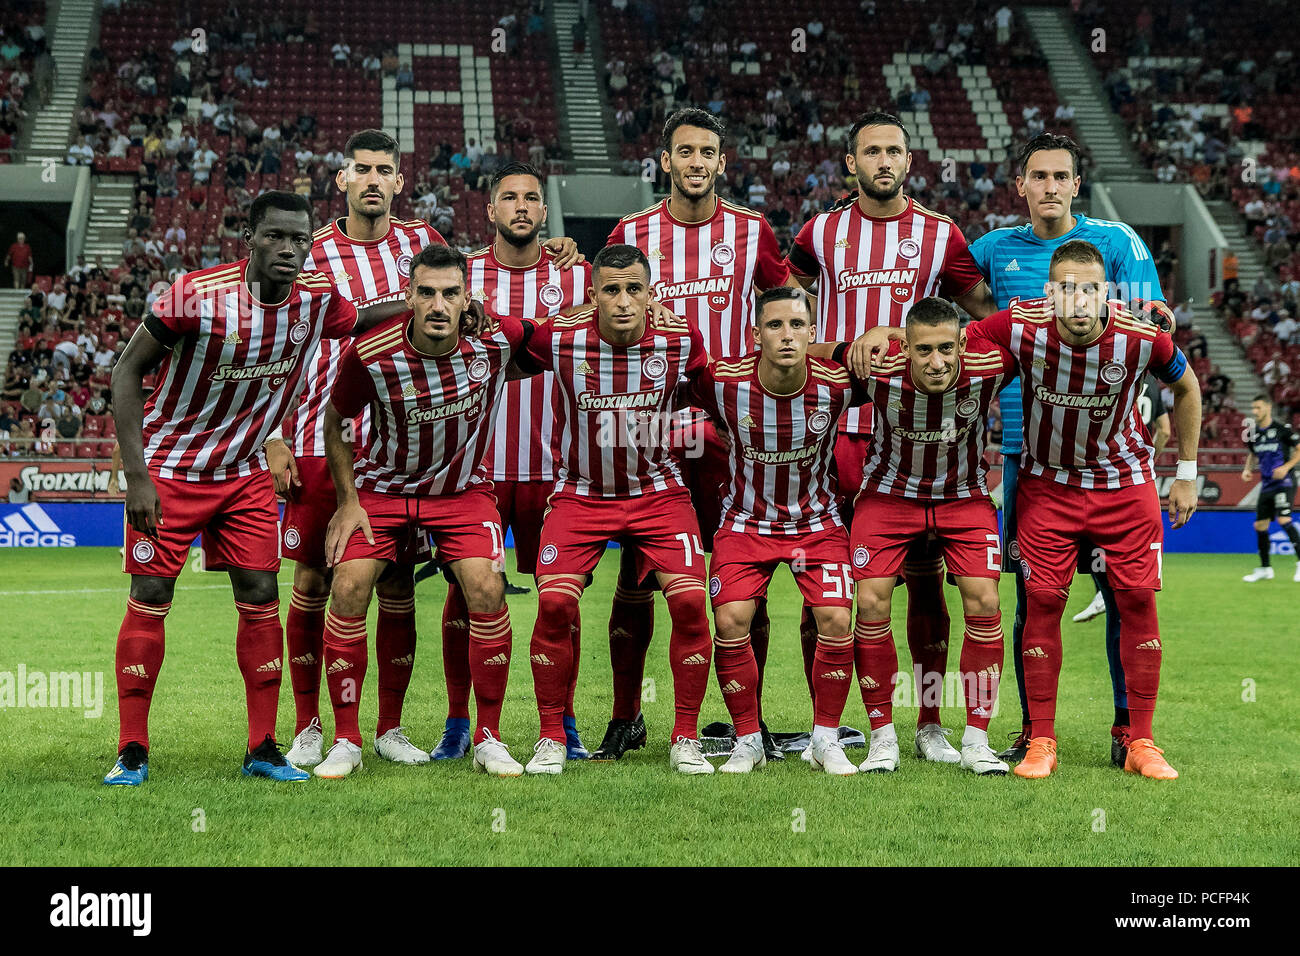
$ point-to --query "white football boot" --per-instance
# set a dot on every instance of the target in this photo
(492, 756)
(306, 749)
(1261, 574)
(1098, 606)
(548, 757)
(747, 756)
(882, 752)
(932, 744)
(980, 759)
(395, 746)
(686, 757)
(826, 754)
(343, 758)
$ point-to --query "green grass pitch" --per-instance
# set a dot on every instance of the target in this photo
(1229, 696)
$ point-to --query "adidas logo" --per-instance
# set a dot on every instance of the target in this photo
(406, 661)
(836, 674)
(993, 670)
(543, 660)
(656, 254)
(747, 422)
(620, 632)
(135, 670)
(875, 712)
(1012, 266)
(1035, 652)
(732, 687)
(499, 659)
(585, 368)
(980, 712)
(461, 623)
(937, 647)
(410, 391)
(896, 404)
(339, 667)
(31, 527)
(866, 681)
(842, 243)
(233, 338)
(308, 658)
(1151, 645)
(270, 667)
(696, 659)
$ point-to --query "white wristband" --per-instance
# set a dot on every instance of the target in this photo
(1186, 471)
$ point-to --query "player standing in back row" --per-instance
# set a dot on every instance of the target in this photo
(708, 257)
(517, 276)
(873, 259)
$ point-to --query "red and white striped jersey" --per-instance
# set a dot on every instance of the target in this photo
(1082, 423)
(431, 416)
(235, 371)
(926, 445)
(614, 402)
(708, 271)
(521, 446)
(362, 271)
(872, 271)
(782, 446)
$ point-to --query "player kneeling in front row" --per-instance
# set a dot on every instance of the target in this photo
(924, 478)
(616, 367)
(433, 396)
(779, 408)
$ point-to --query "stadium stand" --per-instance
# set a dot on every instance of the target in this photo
(22, 45)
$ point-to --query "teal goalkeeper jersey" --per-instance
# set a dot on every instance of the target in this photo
(1014, 261)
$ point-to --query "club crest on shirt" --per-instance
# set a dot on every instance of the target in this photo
(551, 295)
(968, 407)
(860, 557)
(549, 554)
(291, 538)
(404, 264)
(143, 551)
(298, 334)
(909, 248)
(723, 254)
(715, 586)
(479, 369)
(819, 421)
(655, 367)
(1112, 373)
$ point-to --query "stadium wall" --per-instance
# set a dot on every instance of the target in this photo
(36, 196)
(100, 524)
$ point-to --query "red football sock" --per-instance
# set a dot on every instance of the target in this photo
(1041, 653)
(140, 643)
(345, 671)
(759, 635)
(1140, 653)
(259, 647)
(689, 649)
(576, 634)
(876, 661)
(927, 636)
(738, 678)
(455, 653)
(981, 667)
(832, 675)
(631, 625)
(305, 646)
(489, 665)
(395, 655)
(550, 650)
(808, 646)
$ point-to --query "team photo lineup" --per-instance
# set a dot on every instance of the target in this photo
(550, 402)
(714, 407)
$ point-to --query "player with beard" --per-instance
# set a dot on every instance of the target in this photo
(873, 258)
(516, 276)
(368, 254)
(708, 259)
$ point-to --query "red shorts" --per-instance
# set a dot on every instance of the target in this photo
(307, 513)
(661, 527)
(521, 505)
(887, 529)
(462, 525)
(237, 517)
(924, 555)
(703, 457)
(1124, 523)
(743, 565)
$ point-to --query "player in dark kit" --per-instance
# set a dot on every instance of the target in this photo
(1275, 451)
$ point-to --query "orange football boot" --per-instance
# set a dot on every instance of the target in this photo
(1040, 761)
(1146, 758)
